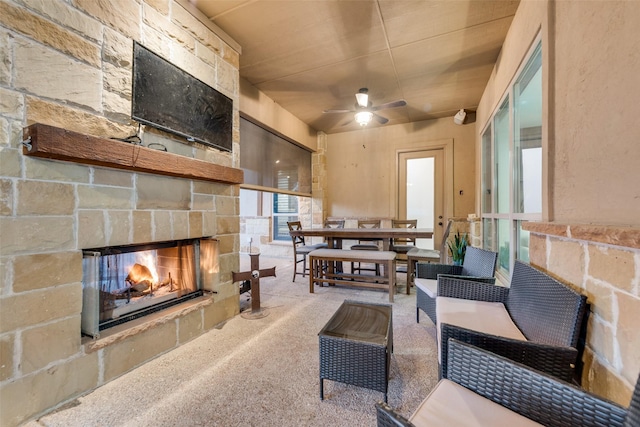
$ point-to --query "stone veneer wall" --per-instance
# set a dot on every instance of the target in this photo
(475, 232)
(255, 233)
(319, 183)
(603, 263)
(68, 64)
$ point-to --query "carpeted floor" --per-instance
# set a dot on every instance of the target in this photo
(263, 372)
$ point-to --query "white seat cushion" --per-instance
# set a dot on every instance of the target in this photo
(449, 405)
(486, 317)
(428, 286)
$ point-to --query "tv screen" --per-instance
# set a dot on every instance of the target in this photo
(168, 98)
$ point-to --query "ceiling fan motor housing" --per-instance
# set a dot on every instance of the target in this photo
(362, 98)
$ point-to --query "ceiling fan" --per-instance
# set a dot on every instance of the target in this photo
(365, 111)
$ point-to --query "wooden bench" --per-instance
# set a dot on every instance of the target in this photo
(321, 262)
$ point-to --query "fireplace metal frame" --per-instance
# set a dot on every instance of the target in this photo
(90, 322)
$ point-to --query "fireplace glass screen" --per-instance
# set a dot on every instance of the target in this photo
(127, 282)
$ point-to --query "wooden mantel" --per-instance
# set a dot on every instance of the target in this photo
(59, 144)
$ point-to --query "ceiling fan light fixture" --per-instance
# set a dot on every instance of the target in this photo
(362, 97)
(364, 117)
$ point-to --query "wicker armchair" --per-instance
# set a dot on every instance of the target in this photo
(496, 383)
(546, 315)
(479, 265)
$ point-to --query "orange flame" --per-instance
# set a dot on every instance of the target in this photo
(144, 270)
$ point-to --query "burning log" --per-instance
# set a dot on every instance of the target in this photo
(138, 281)
(139, 273)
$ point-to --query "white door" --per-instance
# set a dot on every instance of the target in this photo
(421, 191)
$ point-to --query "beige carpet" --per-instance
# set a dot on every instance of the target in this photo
(263, 372)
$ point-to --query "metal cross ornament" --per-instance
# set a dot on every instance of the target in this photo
(254, 277)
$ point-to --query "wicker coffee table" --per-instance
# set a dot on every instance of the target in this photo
(356, 346)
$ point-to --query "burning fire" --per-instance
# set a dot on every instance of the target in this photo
(149, 261)
(143, 274)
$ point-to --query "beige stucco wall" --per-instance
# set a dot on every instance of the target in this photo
(597, 88)
(590, 155)
(590, 62)
(361, 166)
(526, 24)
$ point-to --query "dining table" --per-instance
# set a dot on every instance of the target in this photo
(335, 236)
(386, 235)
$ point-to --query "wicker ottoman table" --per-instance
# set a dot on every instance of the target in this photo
(356, 345)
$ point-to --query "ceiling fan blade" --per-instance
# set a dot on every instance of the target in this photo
(380, 119)
(393, 104)
(346, 122)
(338, 111)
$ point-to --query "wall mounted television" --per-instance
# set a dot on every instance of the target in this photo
(168, 98)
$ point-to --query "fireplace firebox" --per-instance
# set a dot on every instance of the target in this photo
(123, 283)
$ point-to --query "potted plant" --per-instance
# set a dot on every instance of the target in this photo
(458, 247)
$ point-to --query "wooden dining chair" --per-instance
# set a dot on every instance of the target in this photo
(335, 223)
(366, 245)
(427, 255)
(337, 243)
(437, 255)
(403, 245)
(301, 249)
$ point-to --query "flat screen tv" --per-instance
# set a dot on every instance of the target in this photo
(170, 99)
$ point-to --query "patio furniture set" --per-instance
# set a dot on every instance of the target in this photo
(506, 355)
(326, 259)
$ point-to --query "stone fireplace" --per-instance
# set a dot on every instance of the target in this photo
(172, 240)
(73, 187)
(147, 255)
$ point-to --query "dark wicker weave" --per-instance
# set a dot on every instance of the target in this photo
(458, 287)
(548, 313)
(387, 417)
(425, 303)
(633, 416)
(356, 361)
(428, 304)
(479, 265)
(530, 393)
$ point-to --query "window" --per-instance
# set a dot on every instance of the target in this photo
(285, 209)
(279, 173)
(512, 167)
(272, 163)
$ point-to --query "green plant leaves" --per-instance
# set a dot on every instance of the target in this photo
(458, 247)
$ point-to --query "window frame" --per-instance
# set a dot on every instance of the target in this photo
(490, 217)
(277, 216)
